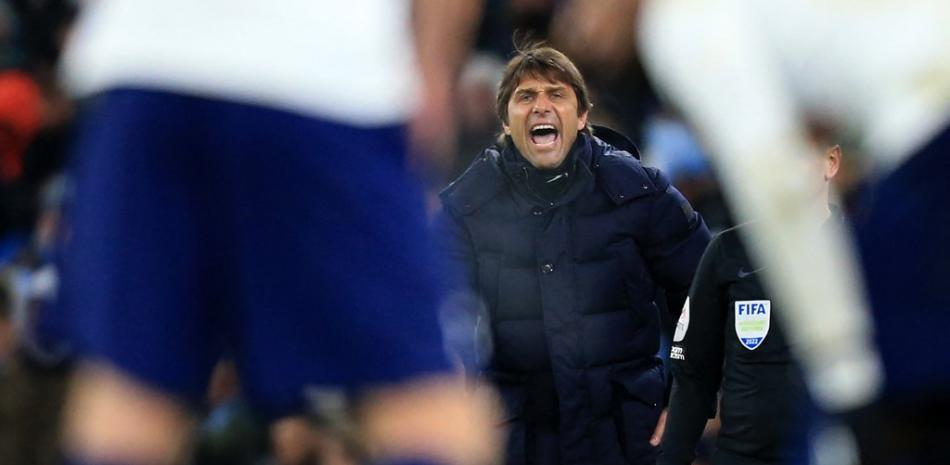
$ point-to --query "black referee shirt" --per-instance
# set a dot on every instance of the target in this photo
(730, 338)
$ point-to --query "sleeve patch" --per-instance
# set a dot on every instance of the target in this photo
(678, 353)
(682, 324)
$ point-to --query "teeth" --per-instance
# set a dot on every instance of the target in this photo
(543, 126)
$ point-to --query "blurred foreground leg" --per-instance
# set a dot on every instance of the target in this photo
(112, 419)
(440, 419)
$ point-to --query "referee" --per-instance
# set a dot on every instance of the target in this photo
(728, 338)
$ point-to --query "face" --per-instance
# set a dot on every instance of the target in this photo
(543, 121)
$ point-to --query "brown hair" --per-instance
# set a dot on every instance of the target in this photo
(540, 61)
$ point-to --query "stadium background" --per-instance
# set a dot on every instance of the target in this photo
(36, 125)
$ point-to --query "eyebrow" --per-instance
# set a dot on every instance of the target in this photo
(535, 90)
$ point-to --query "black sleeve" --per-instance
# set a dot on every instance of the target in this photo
(696, 358)
(676, 241)
(456, 250)
(462, 308)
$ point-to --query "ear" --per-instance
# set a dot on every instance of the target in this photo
(582, 120)
(506, 129)
(832, 161)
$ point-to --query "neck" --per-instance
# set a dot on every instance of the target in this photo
(825, 208)
(548, 184)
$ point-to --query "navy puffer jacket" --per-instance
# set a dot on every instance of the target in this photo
(569, 287)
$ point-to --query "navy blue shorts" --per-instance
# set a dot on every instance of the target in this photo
(203, 227)
(905, 247)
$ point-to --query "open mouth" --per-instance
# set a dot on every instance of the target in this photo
(544, 134)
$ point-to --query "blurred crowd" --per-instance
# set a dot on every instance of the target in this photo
(36, 123)
(35, 127)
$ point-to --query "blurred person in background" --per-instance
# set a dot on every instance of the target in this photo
(228, 433)
(34, 112)
(242, 190)
(727, 341)
(32, 389)
(673, 149)
(44, 354)
(569, 240)
(476, 106)
(753, 78)
(8, 380)
(598, 36)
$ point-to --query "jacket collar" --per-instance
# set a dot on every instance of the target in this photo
(519, 171)
(616, 140)
(607, 158)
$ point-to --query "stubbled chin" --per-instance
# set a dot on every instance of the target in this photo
(547, 158)
(545, 152)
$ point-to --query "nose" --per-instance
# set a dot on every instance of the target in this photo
(542, 104)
